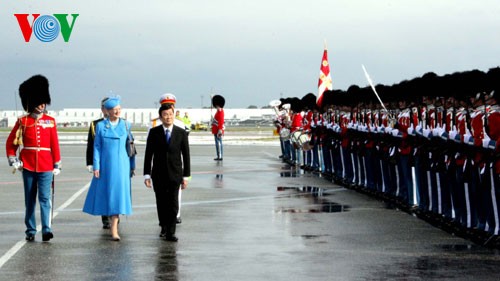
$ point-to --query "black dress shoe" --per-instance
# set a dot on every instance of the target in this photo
(47, 236)
(30, 238)
(163, 232)
(106, 226)
(179, 220)
(171, 238)
(217, 159)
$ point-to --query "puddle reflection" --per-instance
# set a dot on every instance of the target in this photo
(319, 204)
(218, 181)
(290, 174)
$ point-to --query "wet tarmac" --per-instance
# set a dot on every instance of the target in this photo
(249, 217)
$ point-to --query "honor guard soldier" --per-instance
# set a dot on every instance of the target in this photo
(39, 158)
(493, 129)
(218, 126)
(490, 144)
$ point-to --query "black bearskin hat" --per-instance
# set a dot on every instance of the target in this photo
(309, 101)
(34, 92)
(218, 100)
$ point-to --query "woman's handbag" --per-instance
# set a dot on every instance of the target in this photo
(130, 146)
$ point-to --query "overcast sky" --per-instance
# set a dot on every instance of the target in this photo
(250, 52)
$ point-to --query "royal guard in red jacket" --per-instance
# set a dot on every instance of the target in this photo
(39, 159)
(218, 125)
(404, 149)
(480, 184)
(491, 145)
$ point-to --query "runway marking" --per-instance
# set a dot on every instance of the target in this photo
(12, 251)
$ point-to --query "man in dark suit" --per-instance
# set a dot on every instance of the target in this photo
(90, 152)
(166, 166)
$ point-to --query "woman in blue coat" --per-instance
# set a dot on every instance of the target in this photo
(110, 191)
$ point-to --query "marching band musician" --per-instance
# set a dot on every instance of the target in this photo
(296, 126)
(308, 102)
(39, 159)
(285, 122)
(306, 129)
(282, 127)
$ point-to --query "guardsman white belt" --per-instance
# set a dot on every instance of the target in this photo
(36, 148)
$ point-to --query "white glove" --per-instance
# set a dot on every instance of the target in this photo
(395, 133)
(56, 171)
(489, 144)
(453, 135)
(411, 131)
(418, 129)
(18, 165)
(436, 131)
(90, 168)
(468, 139)
(427, 132)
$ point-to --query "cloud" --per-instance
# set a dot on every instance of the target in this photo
(249, 51)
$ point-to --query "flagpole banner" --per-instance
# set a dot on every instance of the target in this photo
(325, 78)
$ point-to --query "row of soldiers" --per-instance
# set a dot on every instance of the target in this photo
(434, 152)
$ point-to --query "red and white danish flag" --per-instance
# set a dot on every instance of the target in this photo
(325, 79)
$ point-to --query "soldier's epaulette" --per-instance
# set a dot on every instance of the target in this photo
(21, 118)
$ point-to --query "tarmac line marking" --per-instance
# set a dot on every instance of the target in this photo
(12, 251)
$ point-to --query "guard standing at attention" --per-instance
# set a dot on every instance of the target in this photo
(218, 125)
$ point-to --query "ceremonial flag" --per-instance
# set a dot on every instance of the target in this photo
(325, 79)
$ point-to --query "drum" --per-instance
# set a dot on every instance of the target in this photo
(304, 141)
(294, 138)
(285, 133)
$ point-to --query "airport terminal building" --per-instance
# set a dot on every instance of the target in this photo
(81, 117)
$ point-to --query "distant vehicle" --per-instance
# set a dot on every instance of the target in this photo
(198, 126)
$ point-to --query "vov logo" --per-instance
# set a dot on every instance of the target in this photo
(46, 27)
